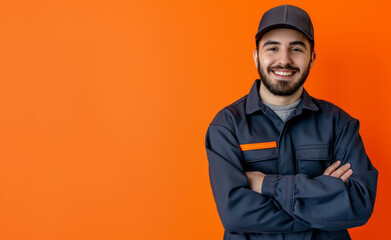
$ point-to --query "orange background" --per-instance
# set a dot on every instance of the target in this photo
(105, 104)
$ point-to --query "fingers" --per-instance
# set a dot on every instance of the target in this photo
(332, 168)
(347, 175)
(341, 170)
(335, 170)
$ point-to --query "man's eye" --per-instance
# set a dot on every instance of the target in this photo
(296, 50)
(272, 49)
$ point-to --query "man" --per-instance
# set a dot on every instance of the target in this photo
(282, 164)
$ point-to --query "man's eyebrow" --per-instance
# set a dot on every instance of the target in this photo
(270, 42)
(298, 43)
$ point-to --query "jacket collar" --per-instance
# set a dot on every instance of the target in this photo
(254, 103)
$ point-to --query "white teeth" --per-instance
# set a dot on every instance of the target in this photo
(284, 73)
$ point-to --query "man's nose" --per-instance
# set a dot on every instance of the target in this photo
(284, 58)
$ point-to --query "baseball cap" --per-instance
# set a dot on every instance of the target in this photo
(286, 16)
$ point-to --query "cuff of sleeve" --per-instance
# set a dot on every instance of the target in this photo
(268, 185)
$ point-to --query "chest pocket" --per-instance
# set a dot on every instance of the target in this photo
(264, 160)
(313, 159)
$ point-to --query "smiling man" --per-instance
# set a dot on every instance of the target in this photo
(282, 164)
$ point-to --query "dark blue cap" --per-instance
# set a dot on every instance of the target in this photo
(286, 16)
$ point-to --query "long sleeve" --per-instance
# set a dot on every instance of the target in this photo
(241, 209)
(325, 202)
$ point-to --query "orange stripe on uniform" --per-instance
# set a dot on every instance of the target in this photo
(254, 146)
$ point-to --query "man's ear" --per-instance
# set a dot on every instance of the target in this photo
(313, 57)
(255, 56)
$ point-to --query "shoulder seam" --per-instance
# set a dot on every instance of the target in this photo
(229, 108)
(216, 124)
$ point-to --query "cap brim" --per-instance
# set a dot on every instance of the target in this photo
(281, 25)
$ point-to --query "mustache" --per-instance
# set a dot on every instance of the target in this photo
(287, 67)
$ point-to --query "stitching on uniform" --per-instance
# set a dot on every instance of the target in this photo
(285, 13)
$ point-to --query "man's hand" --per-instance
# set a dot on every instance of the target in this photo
(344, 172)
(255, 179)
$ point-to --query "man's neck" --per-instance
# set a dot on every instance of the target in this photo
(268, 97)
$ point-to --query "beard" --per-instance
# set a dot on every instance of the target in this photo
(282, 88)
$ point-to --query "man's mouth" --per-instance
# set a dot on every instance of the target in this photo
(284, 74)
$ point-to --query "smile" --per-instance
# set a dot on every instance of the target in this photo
(283, 74)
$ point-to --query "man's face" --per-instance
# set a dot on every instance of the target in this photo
(283, 60)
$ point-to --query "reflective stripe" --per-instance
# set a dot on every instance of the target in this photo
(254, 146)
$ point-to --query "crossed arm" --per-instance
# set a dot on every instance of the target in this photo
(255, 178)
(291, 203)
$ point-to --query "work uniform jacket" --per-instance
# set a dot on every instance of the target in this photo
(297, 200)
